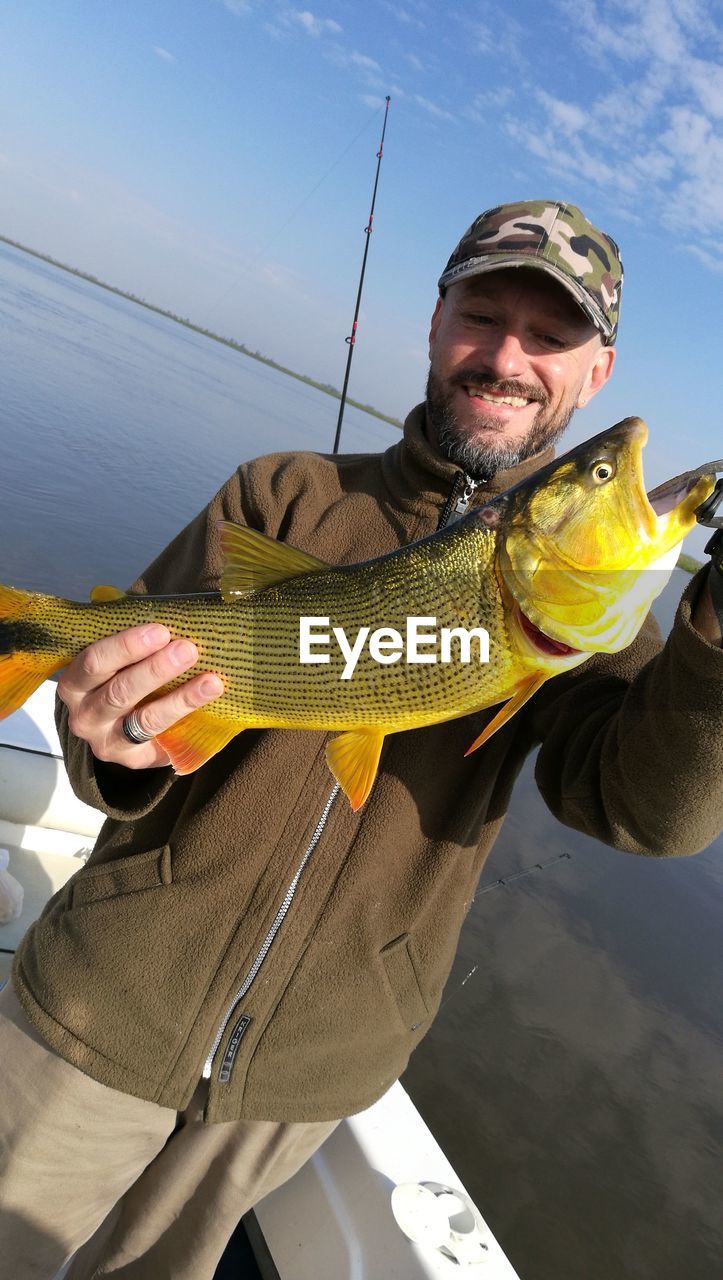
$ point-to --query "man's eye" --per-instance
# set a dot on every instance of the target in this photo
(478, 317)
(553, 341)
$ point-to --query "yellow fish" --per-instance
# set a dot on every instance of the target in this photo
(485, 611)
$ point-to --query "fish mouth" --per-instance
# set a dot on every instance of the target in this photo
(543, 643)
(670, 495)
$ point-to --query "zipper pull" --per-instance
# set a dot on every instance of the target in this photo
(465, 497)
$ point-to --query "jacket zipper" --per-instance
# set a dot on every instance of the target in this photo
(268, 940)
(458, 505)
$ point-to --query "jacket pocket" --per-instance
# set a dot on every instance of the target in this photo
(124, 875)
(401, 974)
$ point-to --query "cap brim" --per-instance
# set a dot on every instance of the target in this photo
(499, 261)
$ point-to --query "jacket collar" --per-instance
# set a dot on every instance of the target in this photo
(420, 477)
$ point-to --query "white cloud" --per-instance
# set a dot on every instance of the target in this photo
(238, 7)
(312, 25)
(414, 62)
(361, 60)
(163, 54)
(706, 79)
(651, 139)
(569, 117)
(709, 259)
(431, 107)
(405, 15)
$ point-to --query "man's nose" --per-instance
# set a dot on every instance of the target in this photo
(504, 354)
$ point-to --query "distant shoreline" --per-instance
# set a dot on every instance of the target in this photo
(686, 562)
(207, 333)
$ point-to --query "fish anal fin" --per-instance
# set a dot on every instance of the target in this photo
(353, 758)
(192, 741)
(524, 692)
(253, 560)
(103, 593)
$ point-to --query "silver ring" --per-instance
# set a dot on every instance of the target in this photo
(134, 731)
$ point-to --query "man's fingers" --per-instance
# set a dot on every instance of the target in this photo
(120, 674)
(130, 685)
(153, 717)
(97, 707)
(100, 661)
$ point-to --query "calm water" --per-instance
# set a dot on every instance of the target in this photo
(575, 1078)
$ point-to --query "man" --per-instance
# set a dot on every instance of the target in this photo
(244, 960)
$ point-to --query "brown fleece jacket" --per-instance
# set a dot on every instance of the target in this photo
(131, 969)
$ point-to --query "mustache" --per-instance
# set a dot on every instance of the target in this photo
(503, 386)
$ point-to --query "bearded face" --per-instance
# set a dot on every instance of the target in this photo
(512, 356)
(485, 450)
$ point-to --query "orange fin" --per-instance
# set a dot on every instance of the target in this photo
(21, 670)
(102, 593)
(524, 692)
(192, 741)
(21, 674)
(251, 560)
(353, 758)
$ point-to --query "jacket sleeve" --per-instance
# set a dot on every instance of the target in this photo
(632, 743)
(192, 562)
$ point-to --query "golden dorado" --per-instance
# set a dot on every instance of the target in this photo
(563, 565)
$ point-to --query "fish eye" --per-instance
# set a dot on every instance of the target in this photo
(602, 471)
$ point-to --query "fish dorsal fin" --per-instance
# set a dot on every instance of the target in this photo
(525, 690)
(103, 593)
(252, 560)
(353, 758)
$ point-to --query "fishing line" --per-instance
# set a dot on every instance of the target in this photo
(502, 883)
(275, 235)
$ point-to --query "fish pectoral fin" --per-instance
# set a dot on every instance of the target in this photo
(524, 692)
(192, 741)
(103, 592)
(252, 560)
(353, 758)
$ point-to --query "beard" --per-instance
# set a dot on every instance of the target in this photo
(482, 459)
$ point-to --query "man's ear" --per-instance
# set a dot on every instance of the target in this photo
(436, 318)
(597, 376)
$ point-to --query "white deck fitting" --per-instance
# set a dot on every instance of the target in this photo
(334, 1218)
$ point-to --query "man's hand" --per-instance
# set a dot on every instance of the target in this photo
(111, 677)
(708, 613)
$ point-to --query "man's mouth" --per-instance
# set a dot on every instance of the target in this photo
(497, 397)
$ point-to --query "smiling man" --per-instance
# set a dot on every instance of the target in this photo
(244, 960)
(522, 333)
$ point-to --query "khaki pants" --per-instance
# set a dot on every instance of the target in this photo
(156, 1194)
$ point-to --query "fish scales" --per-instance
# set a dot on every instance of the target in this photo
(253, 642)
(445, 578)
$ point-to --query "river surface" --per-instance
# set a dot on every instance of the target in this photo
(575, 1079)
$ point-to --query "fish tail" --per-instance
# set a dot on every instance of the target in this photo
(28, 651)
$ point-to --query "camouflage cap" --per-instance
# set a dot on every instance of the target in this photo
(555, 237)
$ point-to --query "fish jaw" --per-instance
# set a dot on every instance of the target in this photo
(585, 562)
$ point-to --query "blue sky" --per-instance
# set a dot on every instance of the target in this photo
(217, 157)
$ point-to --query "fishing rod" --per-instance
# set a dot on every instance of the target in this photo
(367, 232)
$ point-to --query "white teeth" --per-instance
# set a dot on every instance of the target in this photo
(517, 402)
